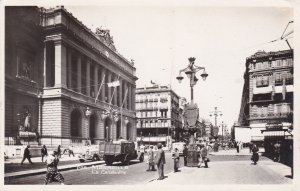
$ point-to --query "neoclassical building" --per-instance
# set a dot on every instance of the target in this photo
(73, 103)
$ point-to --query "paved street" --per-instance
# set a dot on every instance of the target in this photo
(223, 169)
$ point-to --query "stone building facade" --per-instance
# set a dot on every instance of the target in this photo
(159, 117)
(72, 65)
(267, 101)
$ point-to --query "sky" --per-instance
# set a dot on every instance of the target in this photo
(161, 39)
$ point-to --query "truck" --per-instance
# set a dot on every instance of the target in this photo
(119, 151)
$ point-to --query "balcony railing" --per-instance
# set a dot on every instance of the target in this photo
(270, 115)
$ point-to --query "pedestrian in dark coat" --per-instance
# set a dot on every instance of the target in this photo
(59, 151)
(160, 161)
(44, 152)
(237, 147)
(255, 155)
(27, 155)
(52, 172)
(185, 154)
(277, 151)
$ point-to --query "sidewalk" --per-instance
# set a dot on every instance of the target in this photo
(230, 172)
(42, 170)
(39, 159)
(243, 152)
(13, 168)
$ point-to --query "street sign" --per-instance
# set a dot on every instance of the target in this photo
(191, 114)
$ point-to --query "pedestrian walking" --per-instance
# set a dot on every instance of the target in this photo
(277, 149)
(71, 152)
(185, 154)
(44, 152)
(59, 151)
(160, 161)
(176, 159)
(203, 156)
(52, 172)
(151, 164)
(237, 147)
(255, 155)
(27, 155)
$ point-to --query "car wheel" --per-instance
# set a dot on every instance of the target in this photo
(81, 160)
(95, 158)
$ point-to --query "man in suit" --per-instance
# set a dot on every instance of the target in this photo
(44, 152)
(160, 161)
(26, 155)
(185, 154)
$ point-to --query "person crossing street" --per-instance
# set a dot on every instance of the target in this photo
(27, 155)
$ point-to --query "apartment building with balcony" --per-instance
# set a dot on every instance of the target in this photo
(159, 118)
(267, 101)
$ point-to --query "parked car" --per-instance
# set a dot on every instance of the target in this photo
(90, 154)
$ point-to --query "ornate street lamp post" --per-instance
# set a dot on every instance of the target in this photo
(190, 72)
(216, 113)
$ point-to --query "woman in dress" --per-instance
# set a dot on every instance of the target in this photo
(52, 172)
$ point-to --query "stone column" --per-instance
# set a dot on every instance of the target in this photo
(116, 93)
(60, 64)
(103, 85)
(126, 95)
(133, 98)
(129, 96)
(78, 88)
(88, 78)
(45, 64)
(69, 74)
(120, 93)
(108, 73)
(96, 85)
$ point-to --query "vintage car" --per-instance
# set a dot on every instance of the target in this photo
(119, 151)
(90, 154)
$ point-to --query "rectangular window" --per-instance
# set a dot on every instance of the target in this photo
(278, 63)
(278, 80)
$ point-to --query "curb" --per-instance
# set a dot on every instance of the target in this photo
(44, 170)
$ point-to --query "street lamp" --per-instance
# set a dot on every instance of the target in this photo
(216, 113)
(190, 72)
(88, 112)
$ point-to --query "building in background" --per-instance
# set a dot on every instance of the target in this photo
(158, 115)
(55, 67)
(267, 101)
